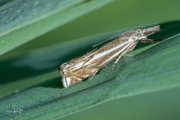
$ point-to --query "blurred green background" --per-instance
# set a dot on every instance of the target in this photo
(120, 14)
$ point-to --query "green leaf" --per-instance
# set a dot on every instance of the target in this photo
(23, 20)
(151, 68)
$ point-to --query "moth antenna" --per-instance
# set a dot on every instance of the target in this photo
(106, 40)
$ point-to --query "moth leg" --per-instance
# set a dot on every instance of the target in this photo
(123, 53)
(151, 41)
(116, 61)
(94, 74)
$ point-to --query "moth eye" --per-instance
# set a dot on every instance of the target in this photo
(62, 72)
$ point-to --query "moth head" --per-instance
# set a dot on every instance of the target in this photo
(68, 78)
(61, 69)
(63, 73)
(65, 79)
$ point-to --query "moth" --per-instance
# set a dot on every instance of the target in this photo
(89, 64)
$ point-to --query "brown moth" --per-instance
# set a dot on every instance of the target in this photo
(82, 67)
